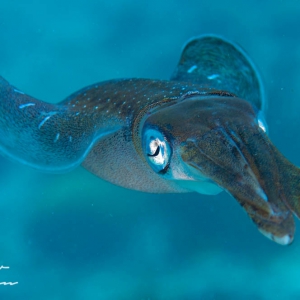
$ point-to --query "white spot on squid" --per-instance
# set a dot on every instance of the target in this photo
(213, 76)
(44, 121)
(56, 137)
(262, 122)
(191, 69)
(282, 240)
(17, 91)
(262, 194)
(26, 105)
(262, 125)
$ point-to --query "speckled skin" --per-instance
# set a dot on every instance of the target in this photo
(123, 101)
(91, 112)
(217, 63)
(209, 114)
(236, 154)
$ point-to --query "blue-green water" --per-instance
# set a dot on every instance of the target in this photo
(74, 236)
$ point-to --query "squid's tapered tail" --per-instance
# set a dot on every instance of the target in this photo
(49, 137)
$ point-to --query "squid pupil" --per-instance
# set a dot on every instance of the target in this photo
(155, 153)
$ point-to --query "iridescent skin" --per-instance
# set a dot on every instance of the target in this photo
(202, 131)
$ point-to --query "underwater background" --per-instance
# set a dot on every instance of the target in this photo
(75, 236)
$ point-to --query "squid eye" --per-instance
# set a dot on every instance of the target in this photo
(157, 150)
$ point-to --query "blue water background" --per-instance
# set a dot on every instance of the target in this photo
(74, 236)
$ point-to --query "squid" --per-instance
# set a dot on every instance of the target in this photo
(201, 131)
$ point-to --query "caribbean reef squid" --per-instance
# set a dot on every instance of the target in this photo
(201, 131)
